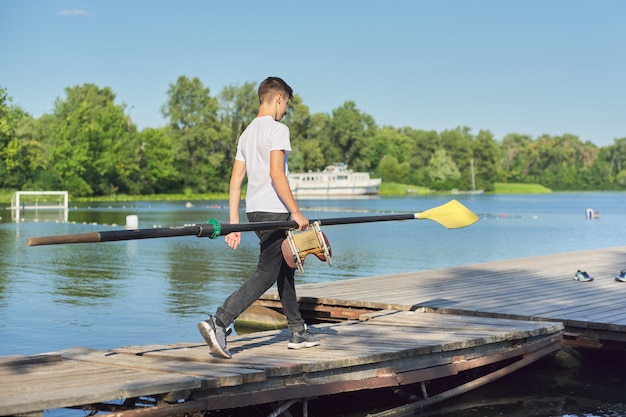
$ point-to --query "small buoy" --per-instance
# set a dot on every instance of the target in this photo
(132, 221)
(189, 205)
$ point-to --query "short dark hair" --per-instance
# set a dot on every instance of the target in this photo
(274, 85)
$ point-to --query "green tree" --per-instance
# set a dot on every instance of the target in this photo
(395, 148)
(90, 142)
(562, 162)
(201, 148)
(442, 170)
(392, 142)
(307, 156)
(458, 144)
(304, 130)
(156, 162)
(32, 168)
(615, 157)
(423, 146)
(485, 157)
(390, 169)
(513, 164)
(238, 105)
(350, 132)
(20, 152)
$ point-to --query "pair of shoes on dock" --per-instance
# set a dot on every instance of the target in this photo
(584, 276)
(215, 336)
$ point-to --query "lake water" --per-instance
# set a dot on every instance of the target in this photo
(107, 295)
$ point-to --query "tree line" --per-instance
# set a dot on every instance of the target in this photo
(89, 146)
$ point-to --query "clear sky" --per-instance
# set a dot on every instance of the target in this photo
(526, 66)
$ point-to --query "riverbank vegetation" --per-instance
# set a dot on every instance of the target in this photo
(515, 188)
(387, 189)
(89, 146)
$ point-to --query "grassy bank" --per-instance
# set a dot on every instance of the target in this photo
(505, 188)
(394, 189)
(387, 189)
(5, 197)
(154, 197)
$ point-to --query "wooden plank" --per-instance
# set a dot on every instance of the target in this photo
(398, 317)
(239, 346)
(291, 390)
(17, 360)
(212, 376)
(36, 387)
(343, 344)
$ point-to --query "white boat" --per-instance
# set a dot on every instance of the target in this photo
(334, 181)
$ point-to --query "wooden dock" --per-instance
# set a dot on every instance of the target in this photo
(480, 321)
(382, 349)
(534, 288)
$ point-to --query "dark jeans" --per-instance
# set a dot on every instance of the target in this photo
(271, 268)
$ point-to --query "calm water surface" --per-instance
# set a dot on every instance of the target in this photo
(107, 295)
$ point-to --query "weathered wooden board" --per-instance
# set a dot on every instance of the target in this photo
(40, 386)
(212, 376)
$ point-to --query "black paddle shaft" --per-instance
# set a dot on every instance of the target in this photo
(227, 228)
(213, 229)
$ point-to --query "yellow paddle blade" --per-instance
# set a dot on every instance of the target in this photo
(452, 215)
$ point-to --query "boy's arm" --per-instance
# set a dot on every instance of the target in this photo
(234, 199)
(281, 184)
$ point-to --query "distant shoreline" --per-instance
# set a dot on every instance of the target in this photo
(386, 190)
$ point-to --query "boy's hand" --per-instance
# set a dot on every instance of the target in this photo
(233, 239)
(303, 222)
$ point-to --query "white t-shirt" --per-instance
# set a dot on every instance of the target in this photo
(263, 135)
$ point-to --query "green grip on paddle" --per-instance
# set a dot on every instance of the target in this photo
(217, 228)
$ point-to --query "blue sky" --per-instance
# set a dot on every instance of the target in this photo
(531, 67)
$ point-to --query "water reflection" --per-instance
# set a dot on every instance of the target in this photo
(202, 272)
(5, 261)
(38, 215)
(83, 276)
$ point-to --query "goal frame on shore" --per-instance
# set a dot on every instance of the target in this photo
(18, 204)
